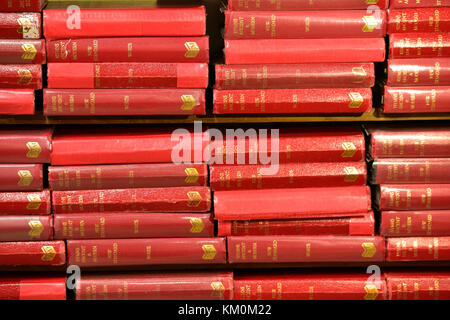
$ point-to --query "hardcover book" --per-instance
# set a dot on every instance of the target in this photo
(21, 177)
(419, 72)
(35, 253)
(426, 223)
(20, 25)
(418, 20)
(25, 203)
(26, 228)
(418, 249)
(21, 76)
(291, 5)
(419, 45)
(22, 6)
(429, 99)
(16, 101)
(32, 287)
(419, 3)
(22, 51)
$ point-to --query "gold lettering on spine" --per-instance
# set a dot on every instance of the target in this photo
(97, 76)
(130, 49)
(95, 49)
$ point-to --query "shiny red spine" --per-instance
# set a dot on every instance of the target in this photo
(419, 4)
(25, 203)
(21, 177)
(16, 101)
(418, 249)
(20, 25)
(22, 51)
(417, 99)
(22, 6)
(293, 5)
(26, 228)
(414, 197)
(407, 285)
(21, 76)
(427, 223)
(419, 72)
(33, 288)
(419, 45)
(36, 253)
(433, 20)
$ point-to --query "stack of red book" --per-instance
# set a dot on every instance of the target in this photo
(419, 57)
(22, 53)
(283, 57)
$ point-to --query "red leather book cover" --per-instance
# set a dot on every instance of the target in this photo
(21, 177)
(127, 75)
(122, 225)
(289, 175)
(413, 285)
(137, 252)
(419, 45)
(150, 49)
(429, 99)
(414, 197)
(25, 203)
(21, 76)
(26, 228)
(354, 226)
(273, 51)
(427, 223)
(418, 249)
(22, 6)
(146, 175)
(13, 51)
(35, 253)
(176, 199)
(307, 286)
(295, 76)
(425, 170)
(20, 25)
(200, 285)
(32, 287)
(419, 72)
(419, 20)
(293, 5)
(16, 101)
(419, 4)
(126, 22)
(292, 101)
(291, 203)
(285, 249)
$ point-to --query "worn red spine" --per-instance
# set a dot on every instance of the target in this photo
(291, 203)
(25, 287)
(200, 285)
(419, 45)
(418, 249)
(273, 51)
(136, 252)
(355, 226)
(25, 203)
(21, 177)
(432, 99)
(419, 4)
(415, 20)
(126, 22)
(285, 249)
(293, 5)
(414, 197)
(20, 25)
(132, 225)
(177, 199)
(293, 101)
(21, 76)
(295, 76)
(153, 175)
(13, 51)
(289, 175)
(26, 228)
(413, 285)
(34, 253)
(22, 6)
(419, 72)
(16, 101)
(428, 223)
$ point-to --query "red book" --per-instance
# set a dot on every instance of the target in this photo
(285, 249)
(355, 226)
(149, 175)
(291, 5)
(200, 285)
(292, 101)
(419, 3)
(270, 51)
(424, 20)
(21, 177)
(307, 286)
(127, 75)
(26, 228)
(177, 199)
(25, 203)
(36, 253)
(16, 101)
(428, 223)
(289, 175)
(418, 249)
(26, 287)
(425, 170)
(136, 252)
(419, 72)
(295, 76)
(291, 203)
(132, 225)
(430, 99)
(22, 6)
(88, 102)
(22, 51)
(125, 22)
(419, 45)
(21, 76)
(20, 25)
(407, 285)
(414, 197)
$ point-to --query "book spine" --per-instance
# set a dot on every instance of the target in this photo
(16, 101)
(399, 4)
(292, 101)
(157, 286)
(127, 176)
(414, 197)
(430, 99)
(33, 288)
(292, 175)
(293, 5)
(21, 76)
(20, 25)
(131, 22)
(418, 249)
(291, 249)
(136, 252)
(26, 228)
(180, 199)
(35, 253)
(433, 285)
(432, 20)
(279, 51)
(295, 76)
(22, 51)
(419, 45)
(25, 203)
(22, 6)
(132, 225)
(21, 177)
(160, 49)
(428, 223)
(419, 72)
